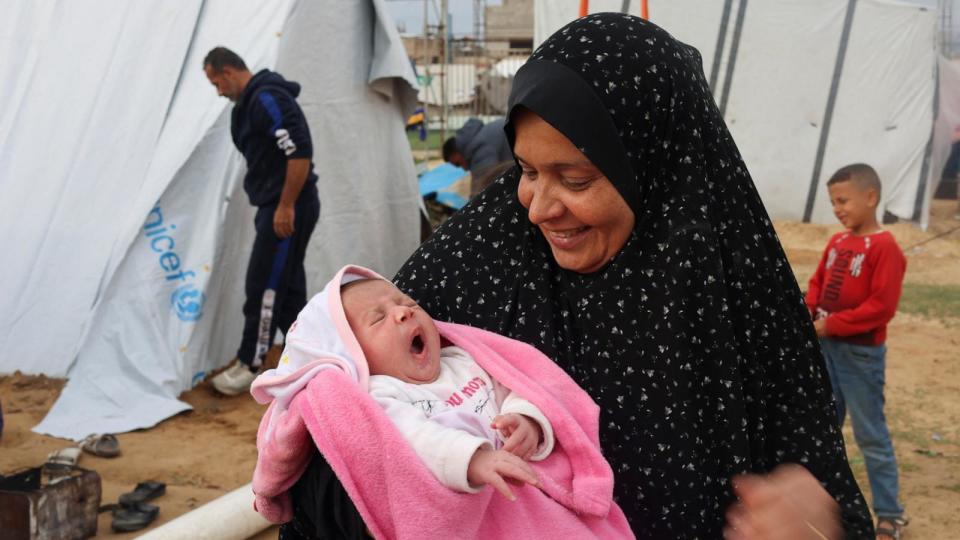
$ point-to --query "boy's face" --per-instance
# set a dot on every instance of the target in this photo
(397, 337)
(855, 207)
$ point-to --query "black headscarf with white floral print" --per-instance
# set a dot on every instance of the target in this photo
(694, 338)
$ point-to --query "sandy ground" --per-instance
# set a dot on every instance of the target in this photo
(200, 455)
(209, 451)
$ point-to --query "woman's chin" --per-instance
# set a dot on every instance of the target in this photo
(576, 262)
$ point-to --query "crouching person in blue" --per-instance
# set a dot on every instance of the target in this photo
(269, 129)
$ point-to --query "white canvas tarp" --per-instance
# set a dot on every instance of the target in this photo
(85, 88)
(807, 86)
(496, 82)
(120, 188)
(458, 81)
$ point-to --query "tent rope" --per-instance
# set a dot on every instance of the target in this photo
(931, 239)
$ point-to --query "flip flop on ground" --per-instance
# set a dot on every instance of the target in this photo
(145, 491)
(133, 517)
(101, 444)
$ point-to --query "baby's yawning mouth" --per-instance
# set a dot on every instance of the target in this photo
(417, 346)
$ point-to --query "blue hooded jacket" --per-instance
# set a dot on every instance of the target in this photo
(483, 145)
(268, 127)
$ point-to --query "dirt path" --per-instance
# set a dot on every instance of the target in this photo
(209, 451)
(200, 455)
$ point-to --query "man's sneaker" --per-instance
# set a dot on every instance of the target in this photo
(234, 380)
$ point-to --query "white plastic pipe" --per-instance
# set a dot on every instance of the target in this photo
(230, 517)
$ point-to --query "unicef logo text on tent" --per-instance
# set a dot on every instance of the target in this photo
(186, 300)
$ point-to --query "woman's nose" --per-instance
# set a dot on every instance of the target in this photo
(544, 205)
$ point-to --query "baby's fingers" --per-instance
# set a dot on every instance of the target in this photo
(521, 444)
(500, 485)
(513, 441)
(518, 469)
(531, 450)
(505, 423)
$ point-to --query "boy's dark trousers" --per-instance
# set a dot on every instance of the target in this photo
(291, 290)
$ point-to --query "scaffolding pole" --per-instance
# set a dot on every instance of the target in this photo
(479, 8)
(444, 52)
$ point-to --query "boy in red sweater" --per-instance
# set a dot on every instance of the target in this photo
(851, 297)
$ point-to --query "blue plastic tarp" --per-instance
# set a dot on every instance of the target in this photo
(438, 180)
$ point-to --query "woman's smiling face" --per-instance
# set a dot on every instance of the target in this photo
(576, 207)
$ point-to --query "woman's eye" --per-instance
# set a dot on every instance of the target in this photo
(577, 184)
(530, 173)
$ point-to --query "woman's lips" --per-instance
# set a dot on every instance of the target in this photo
(566, 238)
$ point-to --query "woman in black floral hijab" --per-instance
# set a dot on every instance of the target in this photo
(631, 246)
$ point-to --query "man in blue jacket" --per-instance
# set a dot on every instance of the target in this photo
(478, 147)
(271, 132)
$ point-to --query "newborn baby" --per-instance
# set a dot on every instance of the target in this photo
(468, 429)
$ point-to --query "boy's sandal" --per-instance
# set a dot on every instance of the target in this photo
(891, 528)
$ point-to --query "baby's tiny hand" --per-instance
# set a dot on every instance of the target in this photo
(496, 468)
(522, 433)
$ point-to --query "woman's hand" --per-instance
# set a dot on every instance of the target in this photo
(523, 434)
(496, 468)
(787, 504)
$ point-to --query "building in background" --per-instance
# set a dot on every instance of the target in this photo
(508, 28)
(470, 75)
(421, 49)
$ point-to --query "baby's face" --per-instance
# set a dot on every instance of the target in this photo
(397, 337)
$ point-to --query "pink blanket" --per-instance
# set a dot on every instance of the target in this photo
(393, 490)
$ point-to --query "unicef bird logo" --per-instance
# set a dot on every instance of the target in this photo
(187, 303)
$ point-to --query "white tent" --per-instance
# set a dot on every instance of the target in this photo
(807, 86)
(457, 80)
(495, 83)
(125, 226)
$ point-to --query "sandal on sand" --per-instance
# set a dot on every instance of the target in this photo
(65, 457)
(890, 528)
(101, 444)
(145, 491)
(134, 517)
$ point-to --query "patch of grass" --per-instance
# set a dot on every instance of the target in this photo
(433, 141)
(855, 459)
(934, 301)
(919, 439)
(954, 487)
(907, 466)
